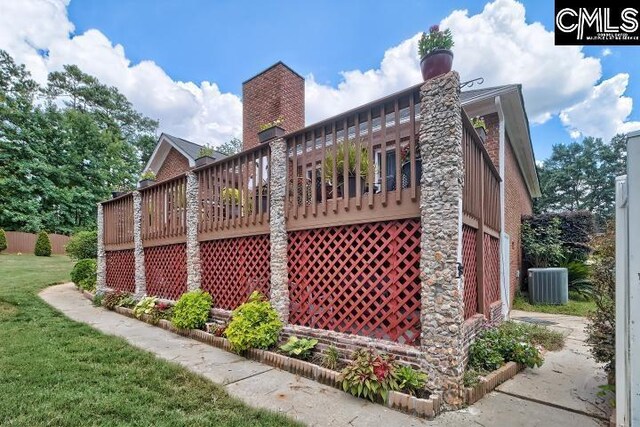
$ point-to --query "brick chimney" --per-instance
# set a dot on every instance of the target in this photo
(277, 92)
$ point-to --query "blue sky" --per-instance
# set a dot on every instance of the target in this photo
(226, 42)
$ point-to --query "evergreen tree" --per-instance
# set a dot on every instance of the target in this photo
(43, 245)
(3, 240)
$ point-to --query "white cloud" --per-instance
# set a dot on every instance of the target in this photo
(606, 52)
(497, 44)
(604, 112)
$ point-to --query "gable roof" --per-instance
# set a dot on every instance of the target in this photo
(187, 148)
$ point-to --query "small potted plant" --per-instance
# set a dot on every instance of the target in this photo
(405, 159)
(350, 147)
(271, 130)
(147, 178)
(480, 126)
(205, 156)
(435, 53)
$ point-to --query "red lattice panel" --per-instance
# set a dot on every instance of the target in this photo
(233, 268)
(470, 294)
(491, 270)
(359, 279)
(166, 270)
(121, 266)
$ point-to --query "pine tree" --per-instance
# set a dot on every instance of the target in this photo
(3, 240)
(43, 245)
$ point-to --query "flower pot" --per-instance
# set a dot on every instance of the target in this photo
(436, 63)
(146, 182)
(270, 133)
(406, 173)
(204, 160)
(482, 133)
(115, 194)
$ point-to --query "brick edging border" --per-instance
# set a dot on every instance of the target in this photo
(491, 381)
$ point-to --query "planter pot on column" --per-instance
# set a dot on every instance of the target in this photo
(146, 182)
(482, 133)
(436, 63)
(204, 160)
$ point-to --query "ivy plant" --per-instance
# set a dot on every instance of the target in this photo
(192, 310)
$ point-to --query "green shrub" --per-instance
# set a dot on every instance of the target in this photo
(88, 284)
(84, 269)
(254, 324)
(43, 245)
(97, 299)
(83, 244)
(410, 380)
(330, 358)
(580, 283)
(370, 375)
(471, 377)
(146, 305)
(576, 228)
(115, 299)
(300, 348)
(542, 246)
(192, 310)
(507, 343)
(3, 240)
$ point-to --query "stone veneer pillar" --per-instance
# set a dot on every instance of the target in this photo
(101, 280)
(278, 232)
(193, 246)
(442, 311)
(138, 249)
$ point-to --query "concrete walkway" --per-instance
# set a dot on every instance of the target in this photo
(262, 386)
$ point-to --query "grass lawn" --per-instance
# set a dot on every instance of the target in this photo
(57, 372)
(573, 307)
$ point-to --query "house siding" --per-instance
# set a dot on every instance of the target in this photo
(174, 164)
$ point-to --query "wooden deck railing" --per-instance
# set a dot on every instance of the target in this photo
(118, 222)
(356, 167)
(234, 195)
(164, 208)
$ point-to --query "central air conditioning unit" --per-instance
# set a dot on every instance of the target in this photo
(548, 285)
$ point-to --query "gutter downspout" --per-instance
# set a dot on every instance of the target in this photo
(505, 294)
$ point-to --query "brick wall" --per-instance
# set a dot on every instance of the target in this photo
(174, 164)
(517, 200)
(276, 92)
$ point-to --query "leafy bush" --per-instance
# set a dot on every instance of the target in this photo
(535, 334)
(83, 244)
(330, 358)
(115, 299)
(507, 343)
(580, 283)
(43, 245)
(576, 229)
(410, 380)
(542, 246)
(300, 348)
(3, 240)
(370, 375)
(148, 175)
(146, 305)
(82, 270)
(601, 326)
(97, 299)
(88, 284)
(192, 310)
(254, 324)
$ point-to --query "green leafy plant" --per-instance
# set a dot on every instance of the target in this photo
(493, 347)
(192, 310)
(97, 299)
(88, 284)
(276, 122)
(254, 324)
(330, 358)
(542, 246)
(348, 149)
(411, 380)
(83, 270)
(228, 195)
(82, 245)
(114, 299)
(206, 151)
(3, 240)
(580, 283)
(146, 305)
(300, 348)
(370, 375)
(471, 377)
(479, 123)
(434, 40)
(148, 175)
(43, 245)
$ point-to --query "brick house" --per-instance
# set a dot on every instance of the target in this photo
(409, 244)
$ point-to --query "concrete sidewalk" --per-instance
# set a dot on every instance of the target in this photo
(312, 403)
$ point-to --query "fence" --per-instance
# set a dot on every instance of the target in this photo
(19, 242)
(351, 209)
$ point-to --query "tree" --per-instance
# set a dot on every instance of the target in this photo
(43, 245)
(3, 240)
(231, 147)
(581, 176)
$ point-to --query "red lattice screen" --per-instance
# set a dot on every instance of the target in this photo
(470, 294)
(233, 268)
(491, 270)
(360, 279)
(166, 271)
(121, 267)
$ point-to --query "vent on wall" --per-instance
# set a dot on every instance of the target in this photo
(548, 285)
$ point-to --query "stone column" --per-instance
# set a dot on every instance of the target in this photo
(278, 235)
(101, 280)
(138, 250)
(442, 312)
(193, 246)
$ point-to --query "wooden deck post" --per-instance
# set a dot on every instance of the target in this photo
(442, 306)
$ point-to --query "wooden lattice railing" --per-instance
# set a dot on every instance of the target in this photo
(118, 223)
(164, 208)
(234, 195)
(379, 181)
